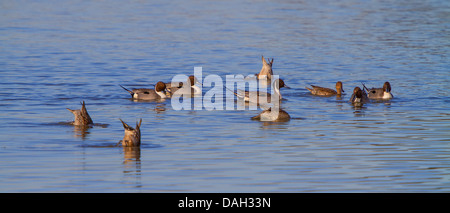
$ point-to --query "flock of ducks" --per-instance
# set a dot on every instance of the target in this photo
(132, 137)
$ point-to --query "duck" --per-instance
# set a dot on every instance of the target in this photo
(149, 94)
(322, 91)
(253, 96)
(82, 117)
(380, 93)
(178, 87)
(132, 137)
(269, 115)
(359, 97)
(266, 70)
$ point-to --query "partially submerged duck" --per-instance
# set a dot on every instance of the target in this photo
(271, 115)
(182, 88)
(82, 117)
(266, 70)
(322, 91)
(132, 137)
(380, 93)
(149, 94)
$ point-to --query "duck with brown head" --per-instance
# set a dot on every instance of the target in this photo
(82, 117)
(149, 94)
(181, 88)
(380, 93)
(132, 137)
(359, 97)
(322, 91)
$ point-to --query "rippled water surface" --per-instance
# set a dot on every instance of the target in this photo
(54, 54)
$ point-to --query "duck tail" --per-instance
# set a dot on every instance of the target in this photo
(131, 92)
(85, 114)
(232, 91)
(125, 125)
(309, 89)
(364, 86)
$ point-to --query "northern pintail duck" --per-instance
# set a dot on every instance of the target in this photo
(266, 70)
(380, 93)
(322, 91)
(269, 115)
(253, 96)
(132, 137)
(181, 88)
(359, 97)
(149, 94)
(82, 117)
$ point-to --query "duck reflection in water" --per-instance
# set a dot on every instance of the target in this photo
(131, 155)
(132, 166)
(81, 131)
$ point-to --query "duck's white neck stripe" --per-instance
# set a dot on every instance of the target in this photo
(387, 95)
(276, 89)
(161, 94)
(197, 89)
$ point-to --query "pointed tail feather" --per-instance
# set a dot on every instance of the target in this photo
(364, 86)
(233, 92)
(131, 92)
(125, 125)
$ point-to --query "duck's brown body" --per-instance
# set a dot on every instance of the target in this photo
(132, 137)
(82, 117)
(322, 91)
(266, 70)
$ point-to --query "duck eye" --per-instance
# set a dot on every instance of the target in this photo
(146, 93)
(373, 92)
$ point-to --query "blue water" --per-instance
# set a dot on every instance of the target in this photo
(54, 54)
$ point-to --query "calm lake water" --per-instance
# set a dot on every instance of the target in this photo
(54, 54)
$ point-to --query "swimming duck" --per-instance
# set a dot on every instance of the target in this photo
(132, 137)
(149, 94)
(179, 89)
(268, 115)
(380, 93)
(253, 96)
(322, 91)
(82, 117)
(358, 97)
(266, 70)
